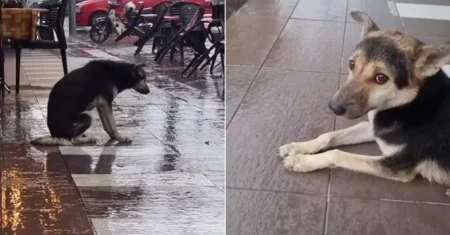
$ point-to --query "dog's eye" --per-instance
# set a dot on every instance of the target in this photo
(381, 78)
(351, 64)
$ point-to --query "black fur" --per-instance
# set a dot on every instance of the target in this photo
(423, 125)
(384, 49)
(72, 94)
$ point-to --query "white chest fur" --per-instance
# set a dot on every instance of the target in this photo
(386, 149)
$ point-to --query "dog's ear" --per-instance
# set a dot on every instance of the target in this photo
(430, 59)
(367, 22)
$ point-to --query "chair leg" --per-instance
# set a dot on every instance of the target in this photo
(182, 52)
(200, 60)
(18, 53)
(156, 44)
(213, 62)
(64, 60)
(172, 53)
(196, 56)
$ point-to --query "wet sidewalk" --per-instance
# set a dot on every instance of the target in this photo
(278, 88)
(170, 180)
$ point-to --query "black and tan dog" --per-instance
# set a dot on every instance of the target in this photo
(399, 82)
(93, 86)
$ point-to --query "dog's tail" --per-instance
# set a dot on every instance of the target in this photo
(52, 141)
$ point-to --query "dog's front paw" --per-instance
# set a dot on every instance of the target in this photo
(124, 140)
(306, 163)
(296, 148)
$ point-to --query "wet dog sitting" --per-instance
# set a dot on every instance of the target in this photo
(94, 85)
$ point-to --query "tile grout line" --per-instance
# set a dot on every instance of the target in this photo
(401, 18)
(388, 200)
(287, 70)
(277, 191)
(330, 171)
(259, 69)
(304, 19)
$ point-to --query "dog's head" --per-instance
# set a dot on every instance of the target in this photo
(386, 70)
(140, 78)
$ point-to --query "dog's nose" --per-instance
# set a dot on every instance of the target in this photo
(337, 107)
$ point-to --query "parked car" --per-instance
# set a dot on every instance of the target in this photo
(88, 11)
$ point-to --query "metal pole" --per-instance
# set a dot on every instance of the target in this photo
(72, 18)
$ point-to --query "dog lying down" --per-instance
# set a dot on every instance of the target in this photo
(399, 82)
(93, 86)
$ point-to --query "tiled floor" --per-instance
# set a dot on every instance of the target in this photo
(283, 65)
(169, 180)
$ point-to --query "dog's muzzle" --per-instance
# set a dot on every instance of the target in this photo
(142, 88)
(337, 107)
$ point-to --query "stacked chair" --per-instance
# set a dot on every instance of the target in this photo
(159, 30)
(54, 21)
(171, 36)
(216, 35)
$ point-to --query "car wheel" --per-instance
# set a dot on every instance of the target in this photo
(95, 16)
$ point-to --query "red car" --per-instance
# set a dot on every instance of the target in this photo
(89, 10)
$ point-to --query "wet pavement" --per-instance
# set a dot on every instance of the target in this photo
(169, 180)
(278, 87)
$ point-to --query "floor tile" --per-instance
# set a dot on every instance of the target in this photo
(351, 184)
(238, 82)
(64, 220)
(153, 202)
(431, 2)
(159, 226)
(169, 179)
(23, 130)
(327, 10)
(22, 111)
(423, 11)
(383, 13)
(427, 28)
(308, 45)
(281, 107)
(269, 8)
(345, 183)
(259, 212)
(351, 39)
(38, 192)
(263, 31)
(357, 216)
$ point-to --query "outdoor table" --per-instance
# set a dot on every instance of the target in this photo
(171, 18)
(149, 15)
(19, 35)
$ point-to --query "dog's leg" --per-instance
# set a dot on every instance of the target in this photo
(373, 165)
(356, 134)
(82, 123)
(105, 124)
(105, 112)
